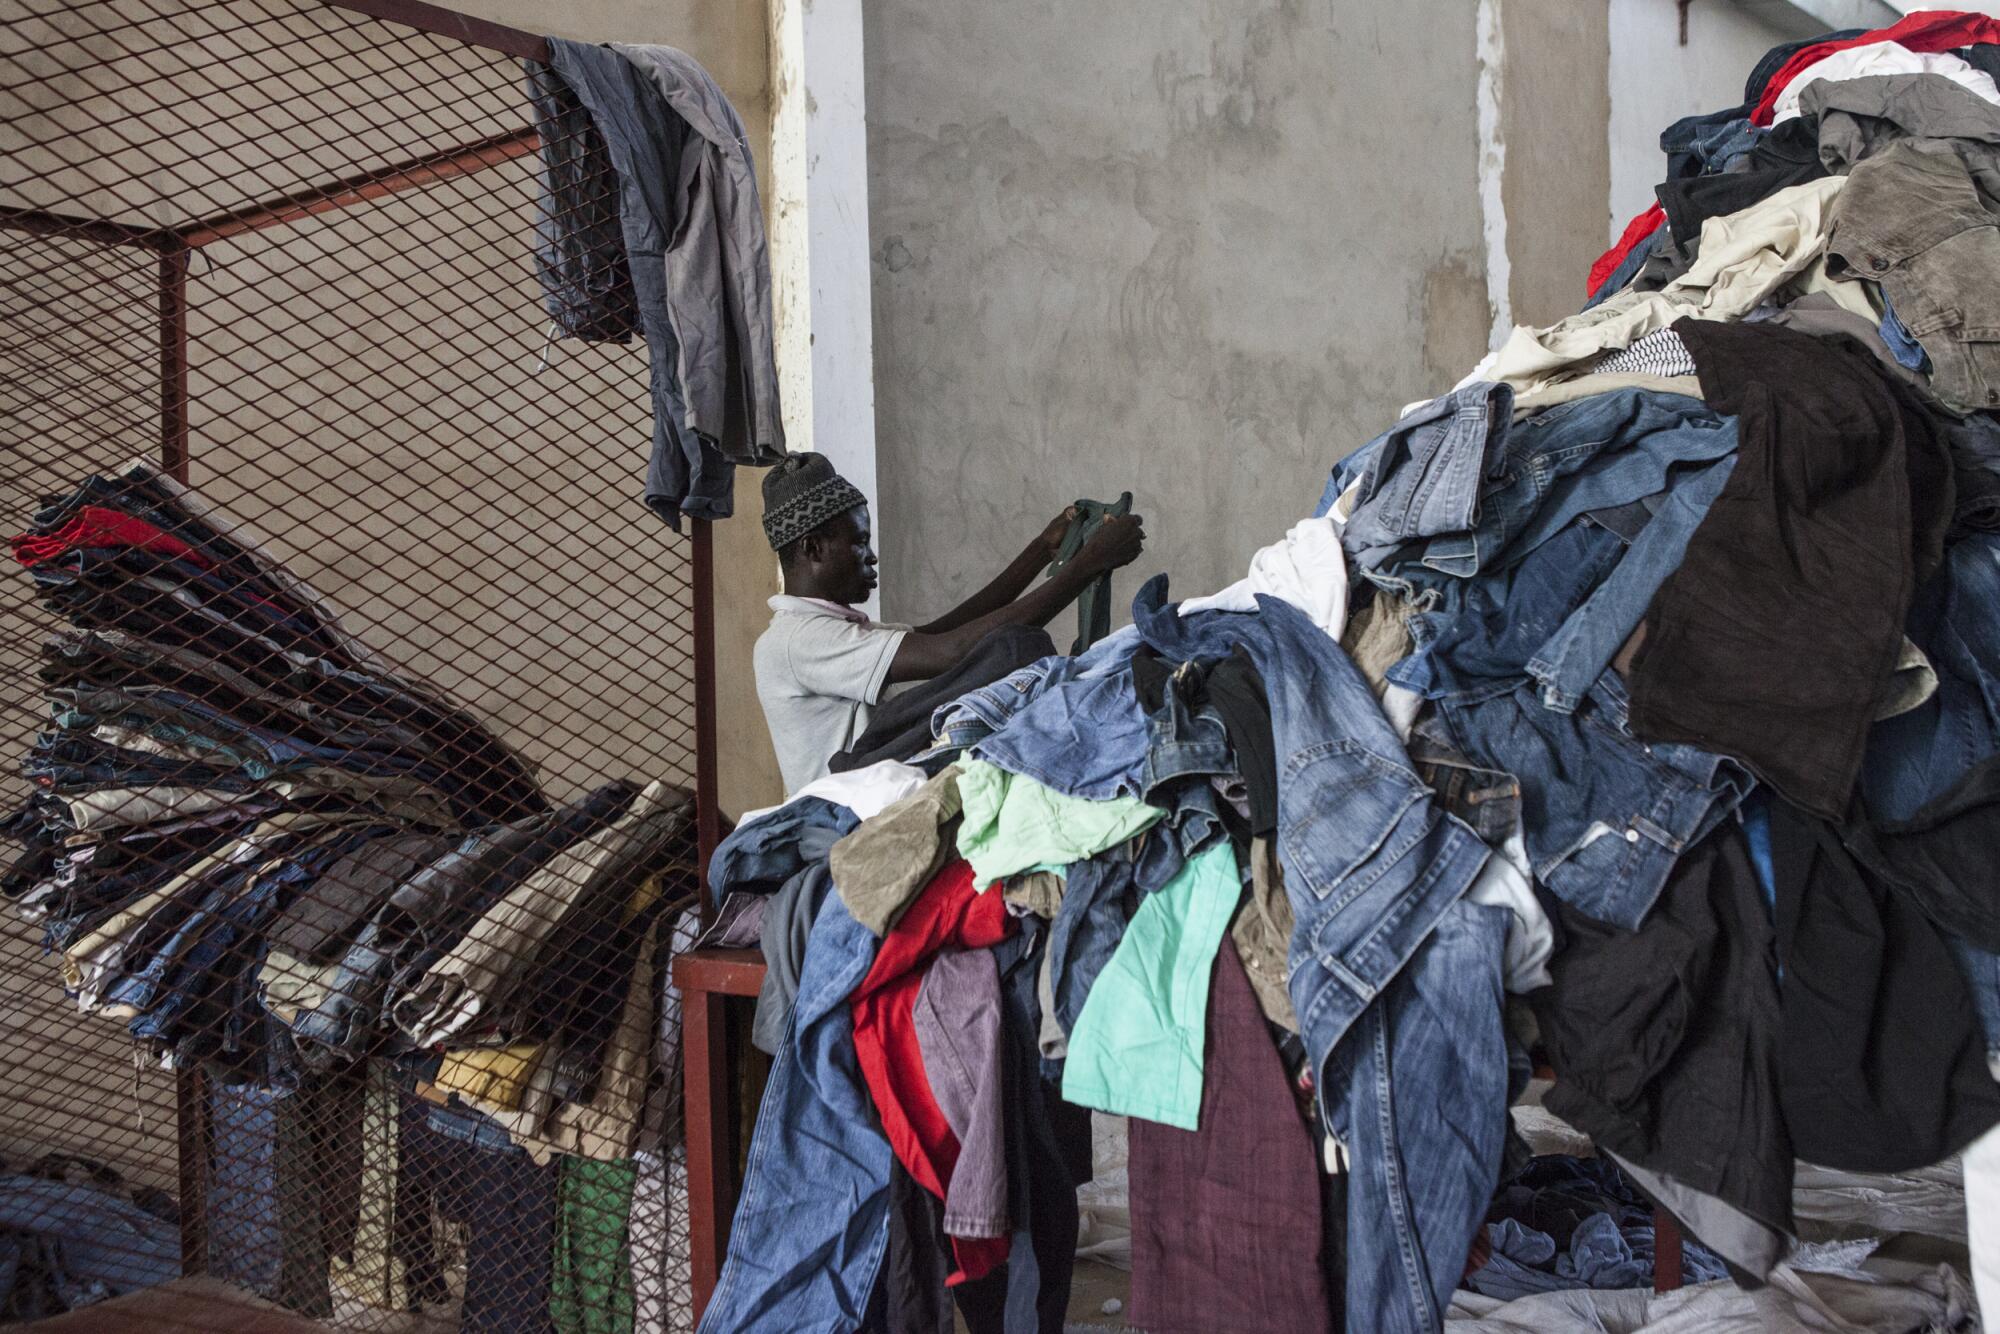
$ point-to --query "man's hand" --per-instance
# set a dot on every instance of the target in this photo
(1116, 543)
(1051, 539)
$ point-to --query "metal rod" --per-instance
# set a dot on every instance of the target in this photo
(39, 223)
(1666, 1251)
(708, 818)
(191, 1153)
(705, 979)
(174, 363)
(381, 182)
(448, 23)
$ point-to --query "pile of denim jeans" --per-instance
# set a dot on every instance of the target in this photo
(254, 842)
(1627, 710)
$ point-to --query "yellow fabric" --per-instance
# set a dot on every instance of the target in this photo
(495, 1077)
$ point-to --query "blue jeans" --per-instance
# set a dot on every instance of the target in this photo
(1915, 757)
(1582, 649)
(1590, 454)
(1708, 144)
(977, 714)
(812, 1224)
(103, 1245)
(1183, 741)
(1605, 817)
(763, 854)
(1372, 867)
(1084, 736)
(1419, 1098)
(1098, 900)
(1955, 620)
(1423, 476)
(1628, 268)
(1477, 631)
(1982, 976)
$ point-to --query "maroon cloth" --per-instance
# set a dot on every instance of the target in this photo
(1226, 1218)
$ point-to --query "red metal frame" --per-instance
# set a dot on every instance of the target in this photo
(711, 1191)
(175, 244)
(706, 979)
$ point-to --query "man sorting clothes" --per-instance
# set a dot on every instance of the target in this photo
(822, 665)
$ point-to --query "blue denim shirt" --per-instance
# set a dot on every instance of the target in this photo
(1424, 475)
(1605, 816)
(762, 854)
(1396, 981)
(1590, 454)
(977, 714)
(1370, 862)
(1582, 649)
(812, 1224)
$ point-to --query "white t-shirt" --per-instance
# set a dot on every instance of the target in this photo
(820, 667)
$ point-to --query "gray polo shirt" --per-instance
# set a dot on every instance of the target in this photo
(820, 667)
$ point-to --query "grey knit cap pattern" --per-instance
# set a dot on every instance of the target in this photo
(801, 492)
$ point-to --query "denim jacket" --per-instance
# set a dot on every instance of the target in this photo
(1385, 959)
(1370, 863)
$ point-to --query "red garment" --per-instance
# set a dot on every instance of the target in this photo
(96, 526)
(948, 912)
(1924, 31)
(1635, 233)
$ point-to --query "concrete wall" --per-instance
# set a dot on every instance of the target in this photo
(1198, 250)
(1554, 93)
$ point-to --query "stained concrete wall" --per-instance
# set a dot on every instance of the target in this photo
(1554, 94)
(1197, 250)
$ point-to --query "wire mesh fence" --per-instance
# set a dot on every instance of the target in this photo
(349, 694)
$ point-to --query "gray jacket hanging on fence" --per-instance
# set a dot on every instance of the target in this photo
(693, 232)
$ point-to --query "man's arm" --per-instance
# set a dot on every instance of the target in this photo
(926, 653)
(1010, 583)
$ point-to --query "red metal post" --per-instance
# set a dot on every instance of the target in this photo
(706, 978)
(1666, 1251)
(174, 361)
(708, 817)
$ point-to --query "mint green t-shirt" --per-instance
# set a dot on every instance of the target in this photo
(1014, 824)
(1138, 1044)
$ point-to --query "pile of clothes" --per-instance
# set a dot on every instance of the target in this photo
(1627, 709)
(269, 853)
(273, 858)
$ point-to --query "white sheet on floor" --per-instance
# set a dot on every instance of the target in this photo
(1793, 1302)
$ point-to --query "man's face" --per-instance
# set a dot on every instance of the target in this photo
(846, 563)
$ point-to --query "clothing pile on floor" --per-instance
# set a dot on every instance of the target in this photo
(277, 861)
(73, 1233)
(1627, 708)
